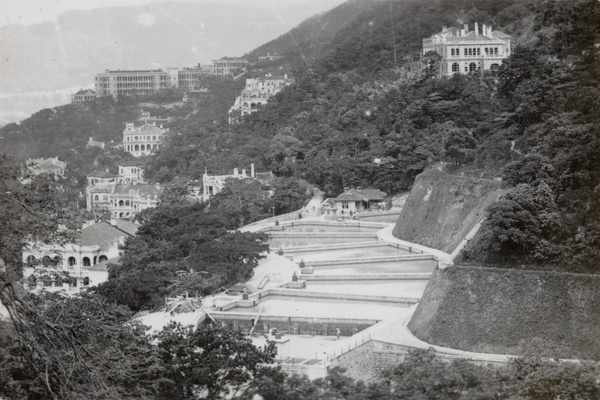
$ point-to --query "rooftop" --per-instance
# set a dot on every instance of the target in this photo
(101, 174)
(145, 190)
(361, 194)
(104, 234)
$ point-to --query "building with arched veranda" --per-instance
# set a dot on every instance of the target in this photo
(68, 267)
(142, 140)
(465, 51)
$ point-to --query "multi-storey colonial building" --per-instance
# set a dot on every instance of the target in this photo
(465, 51)
(142, 140)
(116, 83)
(227, 66)
(69, 267)
(190, 78)
(255, 95)
(123, 195)
(82, 96)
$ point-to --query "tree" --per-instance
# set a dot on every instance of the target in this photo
(209, 362)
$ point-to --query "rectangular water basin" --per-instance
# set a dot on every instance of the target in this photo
(406, 289)
(342, 253)
(383, 267)
(290, 306)
(276, 243)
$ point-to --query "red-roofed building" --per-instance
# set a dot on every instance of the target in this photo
(67, 267)
(465, 51)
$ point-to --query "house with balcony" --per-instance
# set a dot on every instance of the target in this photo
(464, 51)
(69, 267)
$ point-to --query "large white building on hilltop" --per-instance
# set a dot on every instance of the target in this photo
(465, 51)
(142, 140)
(255, 95)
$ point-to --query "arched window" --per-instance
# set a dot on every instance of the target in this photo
(487, 51)
(494, 67)
(86, 262)
(496, 51)
(102, 258)
(153, 137)
(58, 281)
(72, 261)
(135, 138)
(46, 260)
(86, 281)
(127, 202)
(46, 280)
(96, 197)
(136, 148)
(31, 282)
(31, 260)
(472, 67)
(121, 203)
(455, 67)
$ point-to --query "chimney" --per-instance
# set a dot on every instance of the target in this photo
(444, 28)
(476, 28)
(90, 138)
(106, 169)
(462, 32)
(252, 170)
(235, 172)
(466, 27)
(161, 126)
(243, 172)
(484, 30)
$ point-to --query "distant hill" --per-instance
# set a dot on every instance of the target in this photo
(316, 31)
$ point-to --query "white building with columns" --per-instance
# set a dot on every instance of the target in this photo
(465, 51)
(69, 267)
(142, 140)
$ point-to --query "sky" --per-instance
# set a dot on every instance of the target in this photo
(29, 12)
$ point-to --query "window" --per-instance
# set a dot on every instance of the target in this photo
(455, 67)
(87, 262)
(344, 205)
(96, 197)
(478, 51)
(72, 261)
(466, 52)
(102, 258)
(470, 52)
(451, 51)
(496, 51)
(494, 67)
(31, 260)
(472, 67)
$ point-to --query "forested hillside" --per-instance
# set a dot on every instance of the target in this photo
(363, 113)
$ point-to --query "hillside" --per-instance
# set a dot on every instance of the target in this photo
(488, 310)
(442, 208)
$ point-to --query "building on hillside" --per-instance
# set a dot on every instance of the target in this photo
(269, 57)
(213, 184)
(255, 95)
(123, 195)
(118, 83)
(465, 51)
(353, 201)
(94, 143)
(142, 140)
(52, 166)
(131, 171)
(227, 66)
(190, 78)
(83, 96)
(68, 267)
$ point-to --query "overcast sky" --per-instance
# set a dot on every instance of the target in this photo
(28, 12)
